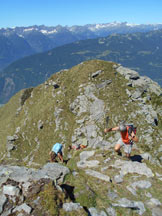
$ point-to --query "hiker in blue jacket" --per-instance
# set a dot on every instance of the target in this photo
(56, 151)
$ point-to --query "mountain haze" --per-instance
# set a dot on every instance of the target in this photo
(139, 51)
(35, 39)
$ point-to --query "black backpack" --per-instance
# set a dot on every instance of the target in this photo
(131, 128)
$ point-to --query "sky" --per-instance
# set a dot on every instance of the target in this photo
(78, 12)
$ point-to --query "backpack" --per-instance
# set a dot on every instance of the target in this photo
(131, 128)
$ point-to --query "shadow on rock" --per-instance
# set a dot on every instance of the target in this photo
(69, 191)
(66, 161)
(136, 158)
(87, 211)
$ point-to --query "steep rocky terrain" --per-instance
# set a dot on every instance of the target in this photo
(71, 107)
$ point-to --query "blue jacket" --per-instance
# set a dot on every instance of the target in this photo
(57, 148)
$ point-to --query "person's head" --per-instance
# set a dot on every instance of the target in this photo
(122, 127)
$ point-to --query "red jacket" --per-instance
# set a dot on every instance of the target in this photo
(124, 136)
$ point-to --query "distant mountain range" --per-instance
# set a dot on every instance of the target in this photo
(139, 51)
(18, 42)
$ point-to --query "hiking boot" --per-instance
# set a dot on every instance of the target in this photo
(126, 158)
(119, 153)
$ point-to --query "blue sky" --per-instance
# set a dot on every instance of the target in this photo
(78, 12)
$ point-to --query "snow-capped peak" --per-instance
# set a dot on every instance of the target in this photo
(48, 32)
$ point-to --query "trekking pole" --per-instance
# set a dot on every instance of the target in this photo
(107, 121)
(106, 126)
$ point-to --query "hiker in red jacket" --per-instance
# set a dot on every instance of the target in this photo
(128, 136)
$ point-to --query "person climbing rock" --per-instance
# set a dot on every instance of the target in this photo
(128, 136)
(56, 151)
(77, 147)
(80, 146)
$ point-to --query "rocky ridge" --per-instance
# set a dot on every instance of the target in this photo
(95, 181)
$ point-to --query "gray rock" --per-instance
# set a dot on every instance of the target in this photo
(27, 209)
(85, 164)
(128, 73)
(111, 211)
(96, 73)
(147, 194)
(22, 174)
(3, 201)
(139, 81)
(146, 156)
(94, 212)
(118, 179)
(25, 187)
(137, 94)
(129, 84)
(12, 138)
(133, 167)
(133, 191)
(52, 171)
(134, 205)
(75, 173)
(104, 84)
(128, 93)
(160, 148)
(3, 179)
(134, 77)
(112, 195)
(10, 147)
(86, 154)
(153, 202)
(156, 212)
(11, 190)
(97, 110)
(141, 184)
(107, 160)
(98, 175)
(40, 125)
(7, 213)
(103, 169)
(55, 85)
(72, 206)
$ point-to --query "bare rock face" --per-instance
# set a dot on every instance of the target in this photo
(11, 190)
(139, 81)
(20, 183)
(3, 200)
